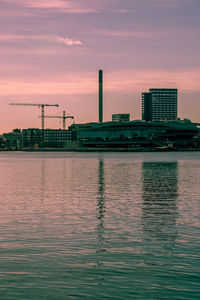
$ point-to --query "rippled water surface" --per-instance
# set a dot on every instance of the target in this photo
(99, 226)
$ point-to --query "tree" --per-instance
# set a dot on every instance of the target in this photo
(16, 130)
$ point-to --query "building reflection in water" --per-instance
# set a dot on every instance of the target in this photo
(100, 201)
(43, 180)
(159, 194)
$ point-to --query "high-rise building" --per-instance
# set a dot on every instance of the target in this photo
(159, 104)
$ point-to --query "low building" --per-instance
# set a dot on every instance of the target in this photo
(54, 138)
(12, 140)
(120, 117)
(32, 138)
(138, 133)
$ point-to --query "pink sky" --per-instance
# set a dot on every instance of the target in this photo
(51, 50)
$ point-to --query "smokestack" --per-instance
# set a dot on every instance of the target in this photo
(100, 96)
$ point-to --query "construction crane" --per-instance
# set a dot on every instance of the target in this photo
(38, 105)
(64, 117)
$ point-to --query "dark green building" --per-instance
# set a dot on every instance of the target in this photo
(133, 134)
(159, 104)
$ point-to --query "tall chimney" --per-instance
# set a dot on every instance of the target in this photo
(100, 96)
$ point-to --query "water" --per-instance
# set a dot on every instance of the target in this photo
(99, 226)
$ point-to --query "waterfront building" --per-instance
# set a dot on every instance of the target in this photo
(12, 140)
(120, 117)
(56, 137)
(180, 133)
(36, 138)
(32, 137)
(159, 104)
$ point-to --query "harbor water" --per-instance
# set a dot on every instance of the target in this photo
(99, 225)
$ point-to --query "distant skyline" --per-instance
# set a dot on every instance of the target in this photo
(51, 51)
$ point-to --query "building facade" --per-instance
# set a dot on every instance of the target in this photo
(56, 137)
(36, 138)
(146, 107)
(159, 104)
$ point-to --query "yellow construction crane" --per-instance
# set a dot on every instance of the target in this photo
(64, 117)
(38, 105)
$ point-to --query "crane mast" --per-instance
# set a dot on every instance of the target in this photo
(38, 105)
(64, 117)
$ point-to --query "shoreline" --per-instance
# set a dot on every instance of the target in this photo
(103, 150)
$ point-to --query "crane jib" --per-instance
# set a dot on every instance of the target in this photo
(38, 105)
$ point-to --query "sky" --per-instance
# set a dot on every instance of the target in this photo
(51, 51)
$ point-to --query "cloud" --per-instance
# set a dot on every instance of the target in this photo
(18, 37)
(128, 33)
(55, 5)
(84, 83)
(77, 84)
(164, 4)
(48, 38)
(46, 3)
(125, 11)
(148, 34)
(141, 80)
(69, 42)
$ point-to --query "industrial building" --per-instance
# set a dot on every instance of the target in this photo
(174, 134)
(159, 104)
(159, 128)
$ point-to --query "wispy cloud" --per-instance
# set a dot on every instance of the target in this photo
(56, 5)
(170, 3)
(45, 3)
(125, 11)
(49, 38)
(18, 37)
(128, 80)
(122, 82)
(128, 33)
(69, 42)
(148, 34)
(71, 86)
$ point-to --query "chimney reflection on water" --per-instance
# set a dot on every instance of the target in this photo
(100, 201)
